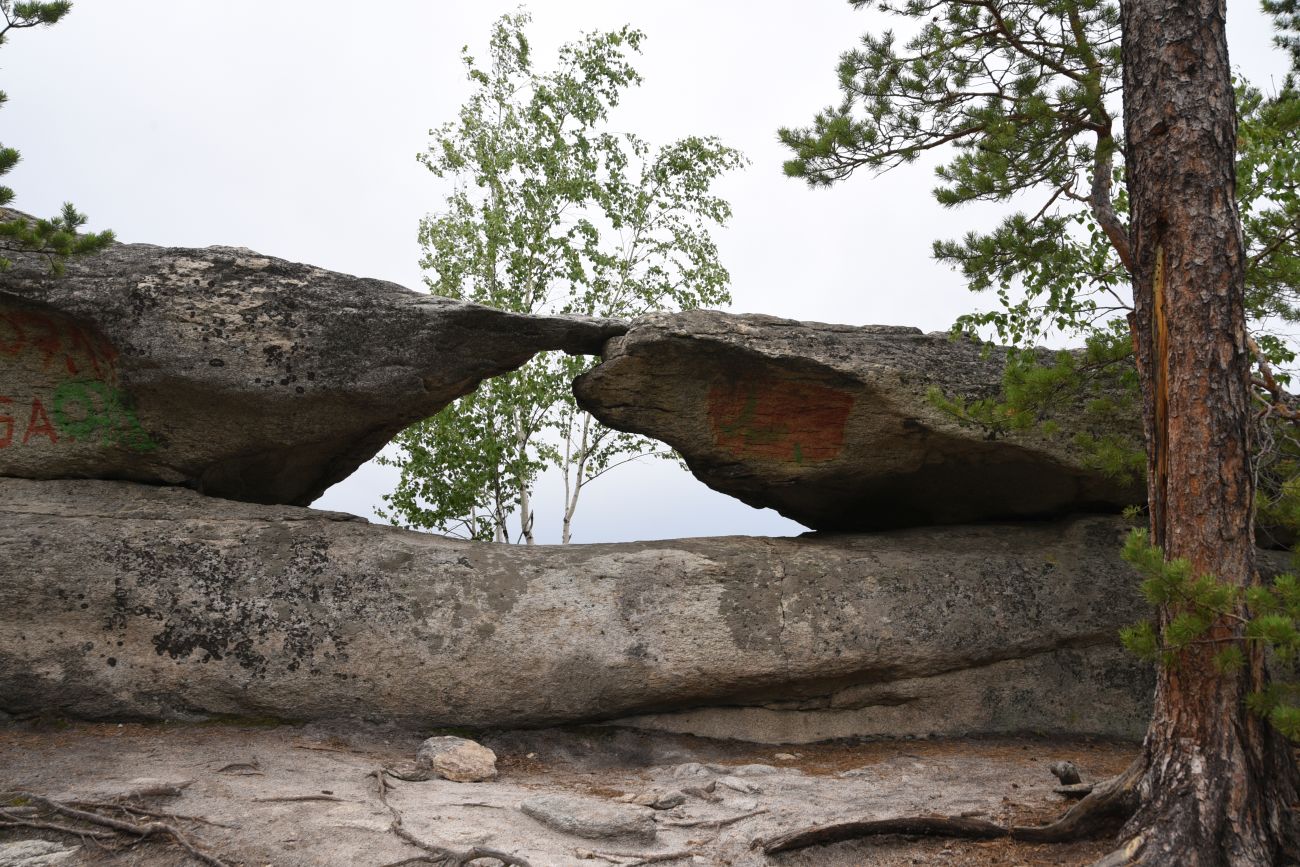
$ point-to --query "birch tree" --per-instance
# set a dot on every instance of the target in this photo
(551, 211)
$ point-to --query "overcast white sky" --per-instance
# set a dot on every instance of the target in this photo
(291, 127)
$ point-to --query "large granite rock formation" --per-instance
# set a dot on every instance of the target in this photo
(128, 600)
(237, 374)
(830, 424)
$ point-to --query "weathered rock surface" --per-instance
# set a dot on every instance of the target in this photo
(257, 822)
(457, 759)
(126, 600)
(240, 375)
(830, 424)
(590, 817)
(35, 853)
(893, 707)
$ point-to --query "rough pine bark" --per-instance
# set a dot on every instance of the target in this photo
(1215, 785)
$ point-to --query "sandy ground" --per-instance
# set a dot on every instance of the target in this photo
(242, 776)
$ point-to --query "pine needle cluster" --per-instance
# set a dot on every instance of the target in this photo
(1088, 397)
(56, 238)
(1202, 610)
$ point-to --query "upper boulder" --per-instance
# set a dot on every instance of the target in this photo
(240, 375)
(830, 425)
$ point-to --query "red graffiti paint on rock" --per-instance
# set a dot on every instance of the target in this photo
(59, 384)
(798, 422)
(38, 424)
(61, 345)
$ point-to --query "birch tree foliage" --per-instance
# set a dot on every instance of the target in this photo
(551, 210)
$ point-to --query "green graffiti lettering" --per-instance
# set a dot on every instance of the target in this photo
(88, 408)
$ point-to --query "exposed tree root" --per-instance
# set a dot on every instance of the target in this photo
(1076, 790)
(1229, 805)
(921, 826)
(1101, 811)
(8, 820)
(715, 823)
(142, 831)
(440, 855)
(141, 811)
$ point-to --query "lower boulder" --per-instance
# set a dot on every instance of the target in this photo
(120, 600)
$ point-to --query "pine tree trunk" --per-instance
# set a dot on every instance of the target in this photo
(1216, 784)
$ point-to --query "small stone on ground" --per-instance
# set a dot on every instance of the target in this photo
(1066, 772)
(457, 759)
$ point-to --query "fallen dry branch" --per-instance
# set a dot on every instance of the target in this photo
(143, 831)
(715, 823)
(1106, 805)
(154, 789)
(415, 775)
(437, 854)
(640, 859)
(289, 799)
(322, 748)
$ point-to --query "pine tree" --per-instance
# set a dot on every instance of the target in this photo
(1025, 93)
(1286, 13)
(56, 238)
(1215, 783)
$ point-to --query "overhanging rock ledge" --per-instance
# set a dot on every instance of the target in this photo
(237, 374)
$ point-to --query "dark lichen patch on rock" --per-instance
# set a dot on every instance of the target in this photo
(217, 607)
